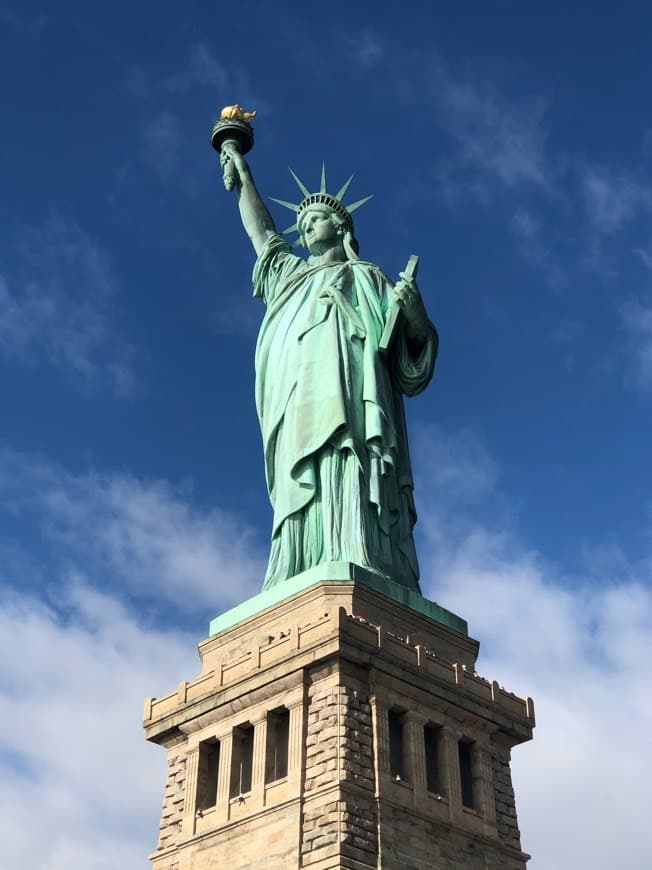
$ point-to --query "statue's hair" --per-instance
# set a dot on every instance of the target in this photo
(344, 228)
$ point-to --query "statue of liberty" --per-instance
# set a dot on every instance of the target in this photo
(330, 386)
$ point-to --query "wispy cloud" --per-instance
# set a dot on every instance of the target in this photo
(501, 147)
(365, 49)
(137, 83)
(57, 294)
(32, 23)
(204, 70)
(645, 253)
(147, 537)
(162, 139)
(613, 199)
(456, 465)
(505, 142)
(529, 233)
(238, 314)
(637, 319)
(166, 151)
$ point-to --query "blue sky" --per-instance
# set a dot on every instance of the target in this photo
(508, 145)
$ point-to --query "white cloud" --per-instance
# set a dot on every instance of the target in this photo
(74, 673)
(579, 647)
(146, 536)
(76, 663)
(56, 306)
(74, 764)
(581, 653)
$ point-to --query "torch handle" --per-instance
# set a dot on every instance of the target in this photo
(230, 174)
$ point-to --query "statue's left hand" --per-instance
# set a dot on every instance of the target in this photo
(407, 295)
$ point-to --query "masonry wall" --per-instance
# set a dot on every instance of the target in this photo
(340, 813)
(173, 799)
(413, 843)
(508, 831)
(359, 825)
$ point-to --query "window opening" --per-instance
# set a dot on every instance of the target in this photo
(207, 772)
(465, 749)
(276, 753)
(397, 766)
(431, 734)
(242, 760)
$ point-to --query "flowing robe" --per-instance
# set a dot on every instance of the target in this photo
(331, 414)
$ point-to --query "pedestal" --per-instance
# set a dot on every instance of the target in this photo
(339, 727)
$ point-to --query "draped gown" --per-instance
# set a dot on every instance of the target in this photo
(331, 414)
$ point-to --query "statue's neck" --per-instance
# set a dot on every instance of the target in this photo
(332, 255)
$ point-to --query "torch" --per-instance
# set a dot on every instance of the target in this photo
(233, 130)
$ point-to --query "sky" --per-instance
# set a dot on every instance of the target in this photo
(509, 145)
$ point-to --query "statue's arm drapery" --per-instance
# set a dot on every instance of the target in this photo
(412, 367)
(274, 268)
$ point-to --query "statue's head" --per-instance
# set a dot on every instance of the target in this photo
(327, 205)
(321, 228)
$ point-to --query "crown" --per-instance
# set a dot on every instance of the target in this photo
(322, 197)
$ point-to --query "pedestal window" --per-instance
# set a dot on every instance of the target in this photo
(276, 753)
(397, 754)
(431, 745)
(465, 753)
(242, 759)
(207, 770)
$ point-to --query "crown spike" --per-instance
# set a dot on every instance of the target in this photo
(302, 187)
(354, 205)
(285, 204)
(293, 229)
(322, 186)
(343, 189)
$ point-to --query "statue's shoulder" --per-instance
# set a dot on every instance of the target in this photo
(374, 270)
(274, 264)
(276, 247)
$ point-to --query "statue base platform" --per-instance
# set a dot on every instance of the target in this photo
(338, 572)
(338, 727)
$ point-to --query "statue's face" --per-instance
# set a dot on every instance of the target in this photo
(318, 229)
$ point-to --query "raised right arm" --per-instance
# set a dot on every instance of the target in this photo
(256, 219)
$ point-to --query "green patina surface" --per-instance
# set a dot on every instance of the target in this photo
(337, 572)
